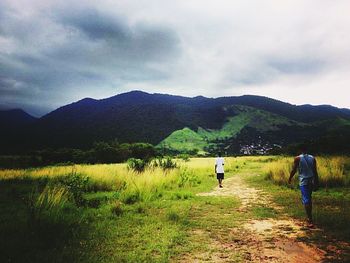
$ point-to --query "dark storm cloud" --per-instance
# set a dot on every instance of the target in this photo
(143, 42)
(67, 53)
(97, 26)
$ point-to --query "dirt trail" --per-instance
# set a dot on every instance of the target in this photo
(267, 240)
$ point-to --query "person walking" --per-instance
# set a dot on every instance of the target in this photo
(308, 180)
(219, 169)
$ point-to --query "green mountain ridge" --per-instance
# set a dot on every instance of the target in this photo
(176, 123)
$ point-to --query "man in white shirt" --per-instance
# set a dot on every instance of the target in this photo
(219, 169)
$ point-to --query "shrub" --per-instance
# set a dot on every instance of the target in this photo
(187, 176)
(185, 157)
(140, 209)
(95, 200)
(168, 163)
(173, 216)
(164, 162)
(116, 208)
(77, 184)
(130, 197)
(137, 165)
(182, 195)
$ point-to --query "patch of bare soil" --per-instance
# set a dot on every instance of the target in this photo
(280, 243)
(249, 196)
(268, 240)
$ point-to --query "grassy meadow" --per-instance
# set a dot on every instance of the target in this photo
(110, 213)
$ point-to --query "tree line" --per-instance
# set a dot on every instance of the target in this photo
(100, 152)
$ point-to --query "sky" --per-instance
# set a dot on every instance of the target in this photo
(56, 52)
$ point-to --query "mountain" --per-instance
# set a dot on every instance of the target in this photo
(179, 124)
(15, 118)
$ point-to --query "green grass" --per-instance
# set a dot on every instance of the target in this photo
(331, 206)
(129, 217)
(187, 140)
(232, 127)
(184, 140)
(154, 216)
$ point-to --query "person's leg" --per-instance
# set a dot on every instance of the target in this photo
(220, 182)
(308, 209)
(307, 201)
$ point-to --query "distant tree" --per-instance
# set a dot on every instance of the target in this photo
(143, 151)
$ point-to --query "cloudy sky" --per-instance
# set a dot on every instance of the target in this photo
(56, 52)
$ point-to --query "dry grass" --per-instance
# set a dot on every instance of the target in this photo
(332, 170)
(106, 177)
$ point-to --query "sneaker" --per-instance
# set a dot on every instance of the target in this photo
(220, 186)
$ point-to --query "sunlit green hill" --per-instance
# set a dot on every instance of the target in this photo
(204, 140)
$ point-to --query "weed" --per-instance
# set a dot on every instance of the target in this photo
(51, 200)
(188, 177)
(140, 209)
(130, 197)
(173, 216)
(116, 208)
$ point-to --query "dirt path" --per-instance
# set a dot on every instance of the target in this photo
(266, 240)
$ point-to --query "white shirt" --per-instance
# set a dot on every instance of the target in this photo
(219, 165)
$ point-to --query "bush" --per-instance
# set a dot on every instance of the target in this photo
(187, 176)
(173, 216)
(77, 184)
(185, 157)
(116, 208)
(137, 165)
(140, 209)
(165, 163)
(182, 195)
(168, 163)
(130, 197)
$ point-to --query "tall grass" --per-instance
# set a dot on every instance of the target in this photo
(332, 171)
(132, 186)
(50, 202)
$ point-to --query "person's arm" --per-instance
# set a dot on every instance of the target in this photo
(315, 176)
(216, 164)
(294, 170)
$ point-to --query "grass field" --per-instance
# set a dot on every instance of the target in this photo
(108, 213)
